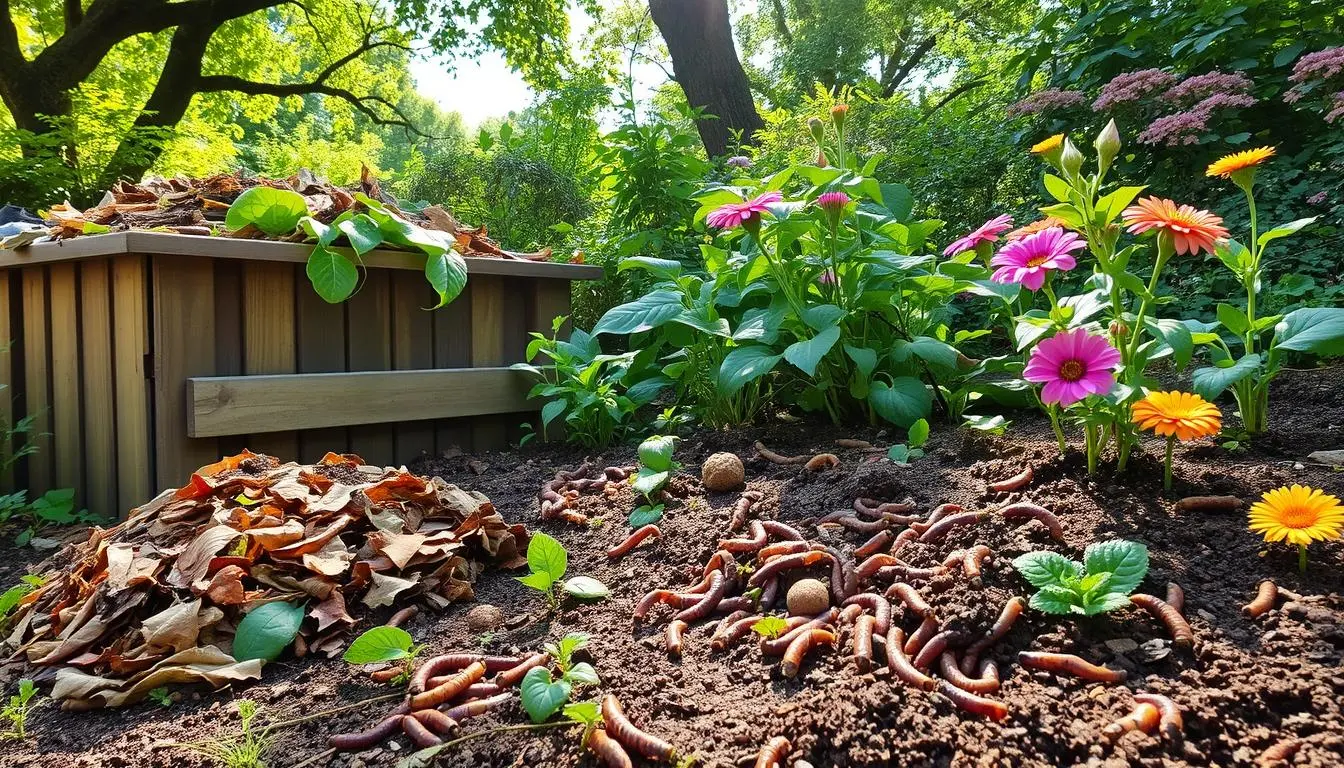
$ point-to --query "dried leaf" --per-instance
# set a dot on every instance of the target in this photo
(385, 589)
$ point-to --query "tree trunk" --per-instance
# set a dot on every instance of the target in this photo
(699, 35)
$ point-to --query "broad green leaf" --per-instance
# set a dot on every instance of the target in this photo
(542, 697)
(928, 349)
(583, 712)
(1057, 187)
(822, 316)
(333, 276)
(446, 272)
(319, 231)
(898, 200)
(744, 365)
(362, 232)
(1211, 381)
(11, 598)
(542, 582)
(551, 410)
(645, 515)
(1283, 231)
(273, 211)
(647, 481)
(644, 391)
(1126, 561)
(770, 627)
(379, 644)
(548, 556)
(902, 402)
(656, 452)
(267, 630)
(1177, 336)
(918, 433)
(806, 355)
(583, 673)
(899, 453)
(1044, 568)
(643, 314)
(1235, 256)
(1113, 204)
(668, 269)
(995, 424)
(1051, 603)
(1319, 330)
(1233, 319)
(586, 588)
(865, 359)
(1105, 602)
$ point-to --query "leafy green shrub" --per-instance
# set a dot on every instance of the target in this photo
(55, 507)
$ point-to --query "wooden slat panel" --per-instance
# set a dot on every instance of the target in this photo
(100, 434)
(229, 335)
(452, 349)
(184, 346)
(135, 480)
(488, 348)
(10, 389)
(37, 381)
(268, 339)
(321, 350)
(550, 299)
(229, 405)
(369, 335)
(412, 349)
(63, 305)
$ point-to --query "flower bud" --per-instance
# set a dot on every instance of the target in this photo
(1107, 145)
(821, 160)
(1118, 329)
(838, 114)
(1071, 160)
(817, 129)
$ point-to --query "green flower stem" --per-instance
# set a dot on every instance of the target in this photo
(1250, 278)
(1166, 474)
(1302, 558)
(1059, 431)
(1165, 248)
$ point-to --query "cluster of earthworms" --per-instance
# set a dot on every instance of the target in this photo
(558, 495)
(816, 462)
(1152, 713)
(618, 734)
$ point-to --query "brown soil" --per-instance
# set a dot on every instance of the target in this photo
(1247, 685)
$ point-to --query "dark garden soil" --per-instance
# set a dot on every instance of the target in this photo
(1247, 685)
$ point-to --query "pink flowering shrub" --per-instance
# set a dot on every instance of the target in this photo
(1130, 87)
(1200, 87)
(1047, 101)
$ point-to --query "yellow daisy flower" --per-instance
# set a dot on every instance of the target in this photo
(1299, 515)
(1224, 167)
(1048, 145)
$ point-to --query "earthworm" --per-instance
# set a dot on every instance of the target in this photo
(781, 531)
(624, 731)
(608, 749)
(1013, 483)
(616, 473)
(1145, 718)
(733, 604)
(880, 541)
(634, 540)
(387, 675)
(933, 649)
(876, 562)
(717, 586)
(699, 589)
(478, 707)
(1002, 625)
(926, 629)
(850, 614)
(822, 461)
(1173, 725)
(844, 581)
(973, 560)
(1280, 753)
(757, 540)
(672, 636)
(938, 513)
(776, 458)
(473, 691)
(847, 442)
(1027, 510)
(723, 624)
(436, 721)
(354, 742)
(438, 665)
(853, 523)
(793, 657)
(1072, 665)
(513, 676)
(900, 664)
(418, 733)
(1176, 623)
(784, 563)
(572, 516)
(955, 557)
(778, 645)
(905, 572)
(768, 593)
(1176, 597)
(903, 538)
(880, 607)
(585, 484)
(938, 530)
(831, 517)
(774, 752)
(911, 598)
(863, 643)
(450, 688)
(890, 510)
(741, 508)
(734, 632)
(782, 548)
(970, 702)
(665, 596)
(1265, 596)
(721, 560)
(1208, 504)
(402, 616)
(947, 664)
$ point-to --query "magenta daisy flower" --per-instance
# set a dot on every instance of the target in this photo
(1027, 261)
(986, 233)
(731, 215)
(1072, 365)
(832, 202)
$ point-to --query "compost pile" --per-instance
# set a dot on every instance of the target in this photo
(157, 598)
(197, 206)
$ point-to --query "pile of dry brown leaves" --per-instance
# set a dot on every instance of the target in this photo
(155, 599)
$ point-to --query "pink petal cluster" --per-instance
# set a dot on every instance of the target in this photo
(1336, 108)
(1129, 87)
(1317, 199)
(738, 161)
(832, 202)
(1072, 365)
(1186, 127)
(1028, 260)
(1318, 65)
(1048, 100)
(732, 215)
(1193, 89)
(986, 233)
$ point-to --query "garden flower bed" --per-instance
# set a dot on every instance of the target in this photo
(1245, 686)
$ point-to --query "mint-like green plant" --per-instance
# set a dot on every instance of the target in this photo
(16, 711)
(1110, 571)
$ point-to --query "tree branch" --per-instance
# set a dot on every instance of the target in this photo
(74, 13)
(11, 55)
(950, 96)
(782, 22)
(215, 83)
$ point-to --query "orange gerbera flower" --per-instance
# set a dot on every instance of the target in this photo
(1191, 230)
(1036, 226)
(1182, 414)
(1224, 167)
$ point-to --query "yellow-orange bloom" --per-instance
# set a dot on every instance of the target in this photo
(1297, 514)
(1192, 230)
(1048, 145)
(1224, 167)
(1183, 414)
(1036, 226)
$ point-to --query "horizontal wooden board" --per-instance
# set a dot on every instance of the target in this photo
(236, 405)
(115, 243)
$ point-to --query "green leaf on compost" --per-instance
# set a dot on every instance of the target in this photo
(1125, 561)
(656, 452)
(267, 630)
(275, 212)
(1053, 600)
(582, 674)
(547, 559)
(918, 434)
(1046, 568)
(645, 515)
(378, 645)
(583, 712)
(1108, 601)
(770, 627)
(648, 481)
(542, 697)
(333, 276)
(586, 588)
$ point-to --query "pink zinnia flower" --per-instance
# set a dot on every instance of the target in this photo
(986, 233)
(1072, 365)
(732, 215)
(832, 201)
(1027, 261)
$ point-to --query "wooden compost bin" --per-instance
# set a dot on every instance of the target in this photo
(144, 356)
